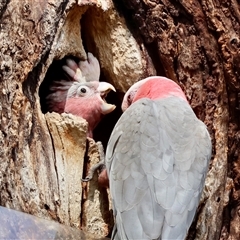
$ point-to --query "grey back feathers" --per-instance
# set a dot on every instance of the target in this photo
(157, 159)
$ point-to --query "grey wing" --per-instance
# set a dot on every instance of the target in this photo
(157, 158)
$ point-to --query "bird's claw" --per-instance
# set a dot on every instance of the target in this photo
(92, 170)
(87, 179)
(100, 165)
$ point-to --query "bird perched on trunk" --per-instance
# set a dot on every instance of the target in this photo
(157, 159)
(82, 95)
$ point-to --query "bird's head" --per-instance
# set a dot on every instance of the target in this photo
(155, 87)
(83, 99)
(87, 100)
(87, 94)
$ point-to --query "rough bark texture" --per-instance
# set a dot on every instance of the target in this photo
(42, 155)
(195, 43)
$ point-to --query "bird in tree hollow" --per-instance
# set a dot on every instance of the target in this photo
(157, 158)
(82, 94)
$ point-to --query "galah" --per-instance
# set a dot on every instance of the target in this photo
(157, 159)
(83, 95)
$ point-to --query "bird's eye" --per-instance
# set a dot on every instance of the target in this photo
(83, 90)
(129, 99)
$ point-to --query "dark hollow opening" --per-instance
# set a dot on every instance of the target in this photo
(54, 72)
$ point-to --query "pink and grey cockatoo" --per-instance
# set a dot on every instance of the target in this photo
(157, 159)
(83, 95)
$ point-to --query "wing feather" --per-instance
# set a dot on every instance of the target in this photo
(157, 158)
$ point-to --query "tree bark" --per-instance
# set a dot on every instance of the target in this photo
(44, 155)
(196, 43)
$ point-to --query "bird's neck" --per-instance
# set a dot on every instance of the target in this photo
(85, 108)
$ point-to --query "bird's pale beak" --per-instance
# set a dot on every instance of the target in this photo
(104, 88)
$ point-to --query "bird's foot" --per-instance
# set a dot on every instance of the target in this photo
(99, 166)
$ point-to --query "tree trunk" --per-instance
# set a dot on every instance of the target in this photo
(45, 155)
(196, 43)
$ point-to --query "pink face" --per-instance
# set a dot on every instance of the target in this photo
(87, 100)
(153, 88)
